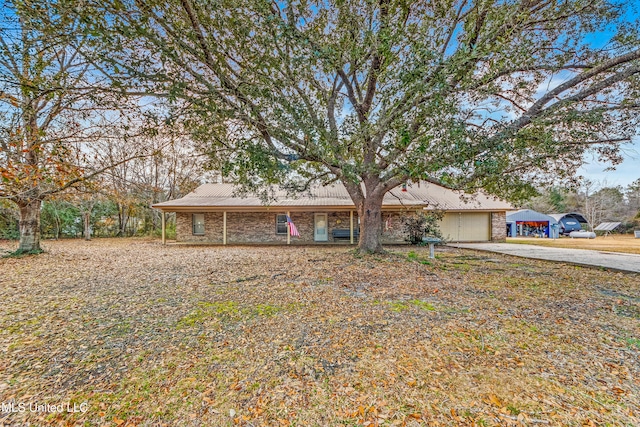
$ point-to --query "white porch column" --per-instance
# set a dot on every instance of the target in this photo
(224, 227)
(351, 226)
(164, 229)
(288, 230)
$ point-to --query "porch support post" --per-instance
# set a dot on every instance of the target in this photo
(351, 226)
(164, 229)
(224, 227)
(288, 230)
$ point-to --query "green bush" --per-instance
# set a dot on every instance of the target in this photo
(60, 218)
(8, 222)
(422, 225)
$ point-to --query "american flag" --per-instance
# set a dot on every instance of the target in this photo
(292, 228)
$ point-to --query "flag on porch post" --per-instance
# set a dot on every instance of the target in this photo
(293, 231)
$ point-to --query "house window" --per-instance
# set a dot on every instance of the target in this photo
(198, 224)
(281, 224)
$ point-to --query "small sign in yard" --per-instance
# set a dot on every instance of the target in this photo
(637, 233)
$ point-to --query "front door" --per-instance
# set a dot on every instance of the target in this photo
(320, 229)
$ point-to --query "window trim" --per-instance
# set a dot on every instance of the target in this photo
(193, 224)
(286, 228)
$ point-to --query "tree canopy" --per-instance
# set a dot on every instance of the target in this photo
(55, 105)
(498, 95)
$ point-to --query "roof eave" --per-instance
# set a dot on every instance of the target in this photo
(312, 208)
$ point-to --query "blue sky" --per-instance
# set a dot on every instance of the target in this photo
(625, 173)
(629, 171)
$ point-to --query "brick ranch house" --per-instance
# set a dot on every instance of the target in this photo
(213, 213)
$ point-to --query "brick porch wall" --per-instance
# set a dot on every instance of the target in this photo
(498, 226)
(392, 227)
(340, 220)
(259, 227)
(212, 228)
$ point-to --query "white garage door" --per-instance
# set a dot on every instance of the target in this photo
(466, 226)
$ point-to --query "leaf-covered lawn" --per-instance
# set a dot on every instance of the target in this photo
(154, 335)
(625, 243)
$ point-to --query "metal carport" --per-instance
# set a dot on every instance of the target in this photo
(526, 222)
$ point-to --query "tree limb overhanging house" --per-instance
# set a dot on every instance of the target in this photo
(499, 96)
(216, 213)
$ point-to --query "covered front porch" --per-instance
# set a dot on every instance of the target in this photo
(271, 227)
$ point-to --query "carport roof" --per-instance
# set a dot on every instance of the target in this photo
(529, 215)
(578, 217)
(423, 195)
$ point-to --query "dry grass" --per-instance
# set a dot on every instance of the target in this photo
(210, 336)
(614, 243)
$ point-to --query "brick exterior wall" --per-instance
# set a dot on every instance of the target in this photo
(260, 227)
(339, 220)
(498, 226)
(212, 228)
(392, 227)
(253, 227)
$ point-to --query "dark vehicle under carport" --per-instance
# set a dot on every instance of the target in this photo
(569, 222)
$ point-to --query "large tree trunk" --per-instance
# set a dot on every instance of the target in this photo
(86, 219)
(123, 219)
(370, 213)
(30, 226)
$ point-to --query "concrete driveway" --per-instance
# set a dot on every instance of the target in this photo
(613, 260)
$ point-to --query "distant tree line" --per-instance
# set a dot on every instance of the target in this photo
(597, 202)
(119, 203)
(66, 219)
